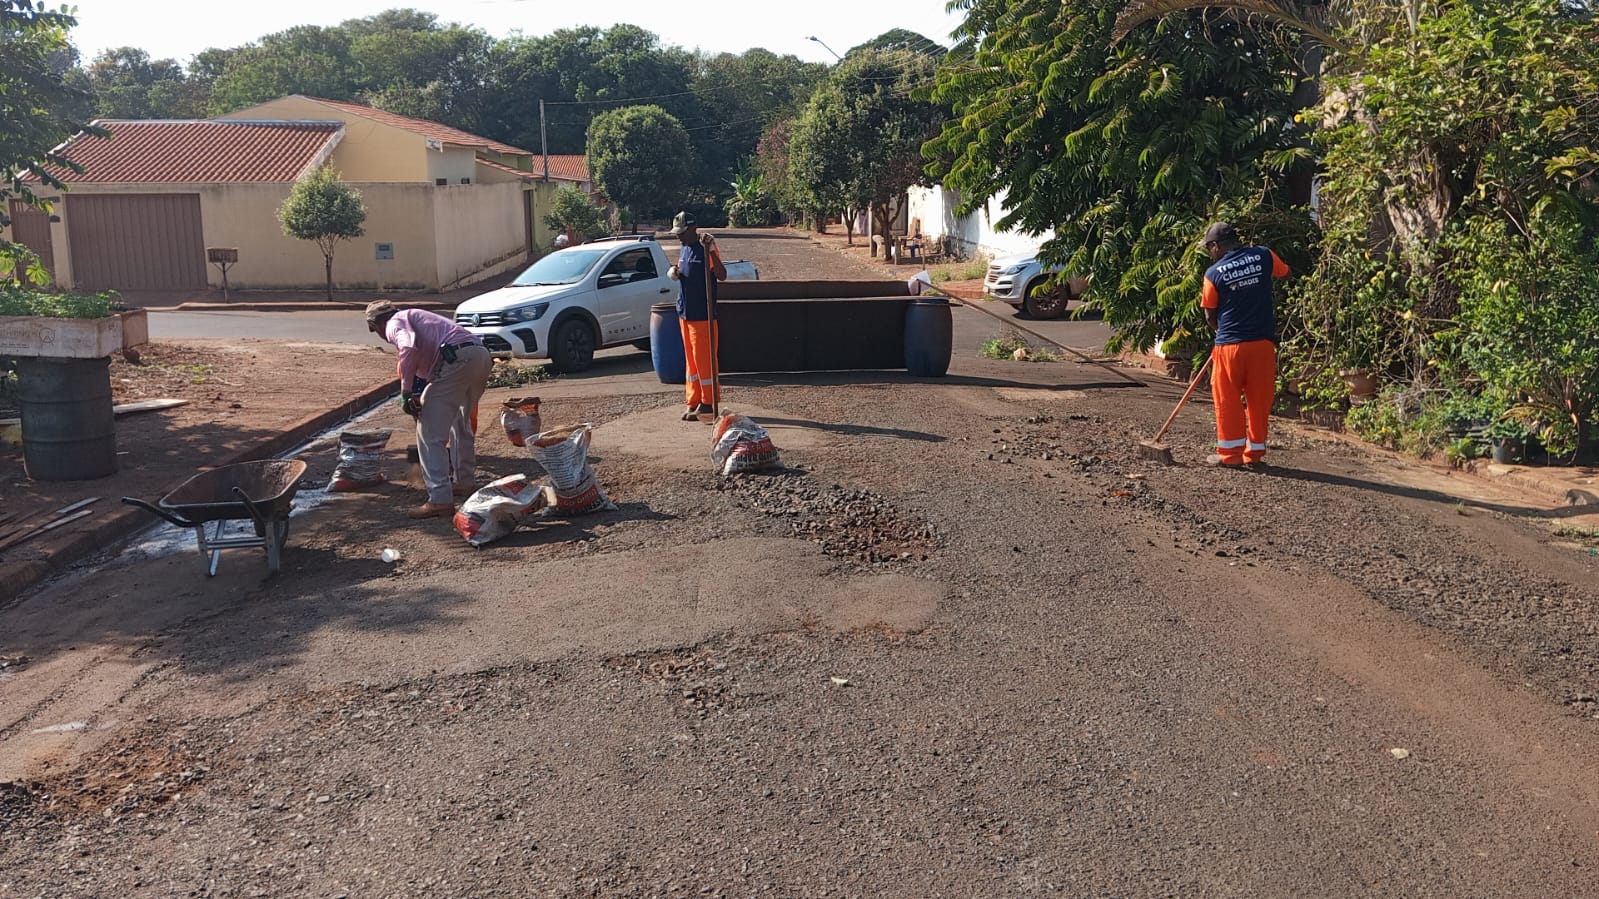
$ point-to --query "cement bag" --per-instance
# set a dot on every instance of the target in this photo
(520, 419)
(564, 453)
(742, 445)
(498, 509)
(360, 460)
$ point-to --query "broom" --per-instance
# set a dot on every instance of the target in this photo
(1154, 450)
(716, 374)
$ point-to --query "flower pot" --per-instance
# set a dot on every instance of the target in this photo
(73, 338)
(1507, 450)
(1362, 384)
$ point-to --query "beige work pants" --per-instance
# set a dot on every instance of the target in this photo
(444, 436)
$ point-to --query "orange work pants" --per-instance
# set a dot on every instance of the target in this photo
(701, 341)
(1243, 373)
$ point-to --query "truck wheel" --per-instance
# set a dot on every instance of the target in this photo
(1044, 300)
(572, 346)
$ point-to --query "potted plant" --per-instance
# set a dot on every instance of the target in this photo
(1508, 438)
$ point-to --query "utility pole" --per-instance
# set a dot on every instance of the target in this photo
(544, 142)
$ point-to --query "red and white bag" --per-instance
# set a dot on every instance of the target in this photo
(742, 446)
(564, 453)
(500, 508)
(521, 420)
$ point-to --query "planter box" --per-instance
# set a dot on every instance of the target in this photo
(73, 338)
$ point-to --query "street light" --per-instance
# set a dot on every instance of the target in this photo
(824, 44)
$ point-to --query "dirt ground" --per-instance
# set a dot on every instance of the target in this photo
(966, 643)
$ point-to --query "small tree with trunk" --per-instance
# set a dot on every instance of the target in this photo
(323, 209)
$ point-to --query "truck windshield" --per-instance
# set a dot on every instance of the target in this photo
(565, 267)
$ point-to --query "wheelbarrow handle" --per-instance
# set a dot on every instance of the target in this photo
(158, 512)
(254, 510)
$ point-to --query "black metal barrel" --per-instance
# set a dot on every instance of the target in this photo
(68, 431)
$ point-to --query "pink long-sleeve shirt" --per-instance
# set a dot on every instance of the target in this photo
(417, 335)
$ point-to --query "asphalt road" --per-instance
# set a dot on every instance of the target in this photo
(341, 327)
(966, 644)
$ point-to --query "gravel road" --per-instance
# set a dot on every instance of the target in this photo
(966, 644)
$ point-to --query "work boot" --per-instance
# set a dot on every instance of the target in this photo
(432, 510)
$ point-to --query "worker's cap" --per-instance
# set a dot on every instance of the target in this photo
(1220, 232)
(682, 222)
(378, 310)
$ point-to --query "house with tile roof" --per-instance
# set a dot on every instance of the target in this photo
(445, 208)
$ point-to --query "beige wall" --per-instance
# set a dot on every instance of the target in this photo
(452, 164)
(442, 236)
(477, 228)
(245, 216)
(369, 151)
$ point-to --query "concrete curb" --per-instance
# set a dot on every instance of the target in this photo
(303, 306)
(114, 522)
(1528, 479)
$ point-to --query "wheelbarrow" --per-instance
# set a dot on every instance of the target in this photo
(258, 492)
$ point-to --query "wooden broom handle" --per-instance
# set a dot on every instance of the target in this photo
(1180, 403)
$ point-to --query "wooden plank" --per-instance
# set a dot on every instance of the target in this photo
(160, 405)
(9, 536)
(29, 535)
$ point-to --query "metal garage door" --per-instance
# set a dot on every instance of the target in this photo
(31, 228)
(136, 241)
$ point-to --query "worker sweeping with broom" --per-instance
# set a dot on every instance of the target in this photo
(699, 267)
(1237, 298)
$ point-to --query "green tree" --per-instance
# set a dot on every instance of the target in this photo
(739, 96)
(325, 210)
(640, 157)
(573, 212)
(859, 143)
(1124, 152)
(306, 59)
(40, 109)
(407, 63)
(128, 84)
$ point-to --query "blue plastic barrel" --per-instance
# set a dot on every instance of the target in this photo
(666, 344)
(929, 335)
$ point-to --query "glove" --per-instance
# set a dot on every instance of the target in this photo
(708, 242)
(411, 405)
(673, 273)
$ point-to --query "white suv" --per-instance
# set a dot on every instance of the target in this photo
(577, 300)
(1023, 281)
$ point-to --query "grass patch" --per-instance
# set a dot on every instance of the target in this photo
(1588, 537)
(1013, 346)
(970, 270)
(22, 301)
(507, 373)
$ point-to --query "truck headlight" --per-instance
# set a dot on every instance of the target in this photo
(526, 313)
(1012, 269)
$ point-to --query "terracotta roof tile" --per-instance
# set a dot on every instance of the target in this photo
(563, 168)
(172, 152)
(423, 127)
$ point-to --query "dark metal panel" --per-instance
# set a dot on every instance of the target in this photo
(136, 241)
(31, 228)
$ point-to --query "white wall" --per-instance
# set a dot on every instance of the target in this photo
(975, 233)
(477, 227)
(452, 164)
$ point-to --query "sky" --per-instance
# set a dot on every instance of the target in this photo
(178, 29)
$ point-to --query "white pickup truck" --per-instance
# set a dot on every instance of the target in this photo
(580, 299)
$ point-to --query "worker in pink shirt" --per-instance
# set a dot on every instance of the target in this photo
(456, 367)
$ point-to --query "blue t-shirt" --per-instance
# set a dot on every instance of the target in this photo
(691, 305)
(1238, 287)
